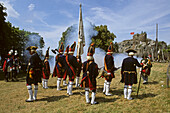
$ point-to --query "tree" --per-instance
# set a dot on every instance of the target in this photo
(64, 35)
(12, 37)
(3, 15)
(103, 38)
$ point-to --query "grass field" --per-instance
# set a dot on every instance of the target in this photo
(153, 97)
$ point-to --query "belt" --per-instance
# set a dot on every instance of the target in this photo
(129, 72)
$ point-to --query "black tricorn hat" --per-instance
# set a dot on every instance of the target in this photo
(31, 48)
(131, 50)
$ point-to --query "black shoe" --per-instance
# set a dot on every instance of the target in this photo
(145, 83)
(87, 102)
(95, 103)
(130, 98)
(29, 100)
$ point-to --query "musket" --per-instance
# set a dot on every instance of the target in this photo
(104, 73)
(100, 68)
(81, 87)
(47, 51)
(54, 51)
(139, 84)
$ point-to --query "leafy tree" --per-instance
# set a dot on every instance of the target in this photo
(103, 38)
(64, 35)
(3, 15)
(12, 37)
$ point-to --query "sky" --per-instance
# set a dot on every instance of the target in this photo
(50, 18)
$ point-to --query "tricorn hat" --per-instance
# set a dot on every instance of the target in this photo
(110, 48)
(61, 48)
(31, 48)
(72, 48)
(91, 51)
(131, 52)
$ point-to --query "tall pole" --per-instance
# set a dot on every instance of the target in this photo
(81, 39)
(156, 49)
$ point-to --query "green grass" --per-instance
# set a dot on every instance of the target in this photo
(152, 97)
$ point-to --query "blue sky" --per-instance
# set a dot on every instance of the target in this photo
(51, 17)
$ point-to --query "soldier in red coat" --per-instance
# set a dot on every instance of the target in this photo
(110, 68)
(146, 68)
(78, 71)
(6, 66)
(59, 65)
(72, 65)
(65, 69)
(90, 72)
(15, 66)
(34, 73)
(46, 70)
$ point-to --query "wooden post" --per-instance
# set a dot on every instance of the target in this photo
(168, 77)
(153, 59)
(156, 48)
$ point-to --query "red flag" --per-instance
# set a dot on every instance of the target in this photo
(132, 33)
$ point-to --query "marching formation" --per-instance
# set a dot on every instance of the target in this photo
(68, 65)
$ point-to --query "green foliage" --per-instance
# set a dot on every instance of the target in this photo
(168, 46)
(65, 34)
(167, 50)
(11, 37)
(103, 38)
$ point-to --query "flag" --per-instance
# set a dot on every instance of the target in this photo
(132, 33)
(81, 39)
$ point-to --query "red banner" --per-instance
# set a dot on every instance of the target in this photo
(132, 33)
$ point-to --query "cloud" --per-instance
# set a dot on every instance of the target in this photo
(39, 15)
(11, 12)
(74, 2)
(66, 14)
(31, 7)
(29, 21)
(135, 16)
(52, 37)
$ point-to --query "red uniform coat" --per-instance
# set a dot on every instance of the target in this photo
(89, 80)
(46, 69)
(109, 67)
